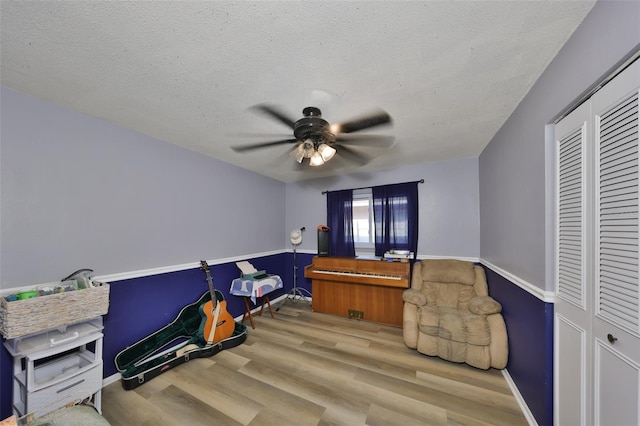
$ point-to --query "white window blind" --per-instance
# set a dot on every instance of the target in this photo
(617, 296)
(570, 274)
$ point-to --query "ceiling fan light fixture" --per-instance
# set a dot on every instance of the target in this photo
(308, 148)
(327, 152)
(303, 150)
(298, 155)
(316, 159)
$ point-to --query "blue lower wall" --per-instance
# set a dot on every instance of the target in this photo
(140, 306)
(529, 323)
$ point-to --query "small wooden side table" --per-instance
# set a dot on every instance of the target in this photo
(254, 290)
(247, 309)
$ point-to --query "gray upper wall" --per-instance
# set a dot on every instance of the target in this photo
(513, 192)
(449, 222)
(79, 192)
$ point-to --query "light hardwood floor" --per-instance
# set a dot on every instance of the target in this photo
(307, 368)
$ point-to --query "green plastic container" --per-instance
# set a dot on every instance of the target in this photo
(26, 295)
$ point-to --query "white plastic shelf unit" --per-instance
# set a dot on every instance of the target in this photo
(57, 367)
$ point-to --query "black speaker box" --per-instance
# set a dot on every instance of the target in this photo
(323, 242)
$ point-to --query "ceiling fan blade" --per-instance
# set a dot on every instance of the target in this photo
(375, 119)
(375, 141)
(285, 161)
(243, 148)
(352, 155)
(338, 162)
(275, 112)
(261, 135)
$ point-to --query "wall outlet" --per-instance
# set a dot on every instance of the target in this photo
(356, 314)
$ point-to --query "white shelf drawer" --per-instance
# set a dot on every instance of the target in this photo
(61, 369)
(74, 388)
(51, 340)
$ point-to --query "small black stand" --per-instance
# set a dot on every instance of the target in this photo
(296, 293)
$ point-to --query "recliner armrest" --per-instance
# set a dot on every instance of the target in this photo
(484, 305)
(415, 297)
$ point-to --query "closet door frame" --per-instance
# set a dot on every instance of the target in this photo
(596, 313)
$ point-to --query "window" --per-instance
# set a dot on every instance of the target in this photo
(395, 211)
(363, 224)
(371, 221)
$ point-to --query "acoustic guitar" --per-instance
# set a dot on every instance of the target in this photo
(217, 324)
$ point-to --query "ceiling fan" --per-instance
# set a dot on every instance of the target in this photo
(318, 141)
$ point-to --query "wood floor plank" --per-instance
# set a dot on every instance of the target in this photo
(315, 333)
(125, 408)
(267, 394)
(231, 359)
(200, 382)
(441, 399)
(306, 368)
(275, 333)
(180, 407)
(469, 392)
(290, 358)
(381, 416)
(338, 405)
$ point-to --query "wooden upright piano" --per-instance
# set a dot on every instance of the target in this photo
(359, 288)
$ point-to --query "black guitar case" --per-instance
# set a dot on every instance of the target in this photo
(172, 345)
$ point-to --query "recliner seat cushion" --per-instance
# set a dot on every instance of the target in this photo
(453, 324)
(448, 295)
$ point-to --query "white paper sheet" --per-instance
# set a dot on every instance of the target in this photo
(246, 267)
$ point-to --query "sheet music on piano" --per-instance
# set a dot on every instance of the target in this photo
(369, 257)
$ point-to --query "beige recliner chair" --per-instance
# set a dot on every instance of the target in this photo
(448, 313)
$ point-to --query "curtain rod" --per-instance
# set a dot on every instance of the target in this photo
(365, 187)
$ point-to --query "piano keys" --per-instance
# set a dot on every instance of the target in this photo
(374, 287)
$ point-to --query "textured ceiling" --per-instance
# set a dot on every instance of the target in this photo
(449, 73)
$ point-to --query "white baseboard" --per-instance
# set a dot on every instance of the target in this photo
(519, 399)
(111, 379)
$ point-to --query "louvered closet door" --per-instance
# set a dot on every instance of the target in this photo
(597, 303)
(616, 325)
(572, 316)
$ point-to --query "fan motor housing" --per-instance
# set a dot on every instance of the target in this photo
(312, 126)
